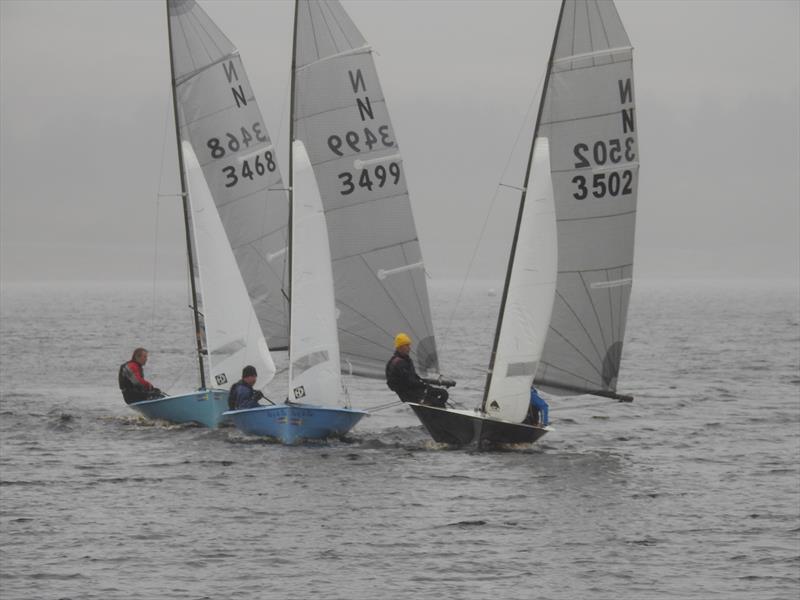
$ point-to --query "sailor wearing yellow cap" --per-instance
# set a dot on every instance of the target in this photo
(402, 378)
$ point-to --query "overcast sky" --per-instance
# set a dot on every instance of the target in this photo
(85, 105)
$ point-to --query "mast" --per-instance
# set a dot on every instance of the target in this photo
(185, 200)
(520, 212)
(290, 236)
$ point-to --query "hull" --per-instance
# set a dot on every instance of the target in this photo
(462, 428)
(293, 423)
(204, 407)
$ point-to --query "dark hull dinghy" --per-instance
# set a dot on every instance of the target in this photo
(564, 307)
(467, 427)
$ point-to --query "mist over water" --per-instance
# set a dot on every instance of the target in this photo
(692, 491)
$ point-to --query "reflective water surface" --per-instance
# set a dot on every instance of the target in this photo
(692, 491)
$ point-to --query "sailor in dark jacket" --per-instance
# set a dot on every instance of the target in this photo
(132, 383)
(242, 394)
(402, 378)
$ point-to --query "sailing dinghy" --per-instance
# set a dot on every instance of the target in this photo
(236, 216)
(316, 408)
(564, 307)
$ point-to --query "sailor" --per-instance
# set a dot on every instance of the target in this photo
(242, 394)
(538, 409)
(402, 378)
(134, 386)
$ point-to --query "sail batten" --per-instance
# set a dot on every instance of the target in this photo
(186, 77)
(350, 52)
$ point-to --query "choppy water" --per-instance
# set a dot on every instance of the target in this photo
(692, 491)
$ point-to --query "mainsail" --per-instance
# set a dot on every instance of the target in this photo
(340, 114)
(219, 117)
(589, 118)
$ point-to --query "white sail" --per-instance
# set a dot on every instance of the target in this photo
(233, 333)
(314, 371)
(589, 117)
(218, 114)
(529, 301)
(341, 116)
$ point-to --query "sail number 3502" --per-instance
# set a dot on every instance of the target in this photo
(613, 183)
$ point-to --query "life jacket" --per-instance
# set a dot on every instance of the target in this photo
(124, 382)
(391, 378)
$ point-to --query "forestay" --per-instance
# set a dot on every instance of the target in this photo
(232, 331)
(341, 116)
(589, 118)
(529, 299)
(218, 115)
(314, 372)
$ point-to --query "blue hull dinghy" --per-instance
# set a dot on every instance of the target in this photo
(294, 423)
(205, 407)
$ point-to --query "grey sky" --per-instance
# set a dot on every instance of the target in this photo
(84, 100)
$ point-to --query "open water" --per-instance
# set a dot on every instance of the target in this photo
(692, 491)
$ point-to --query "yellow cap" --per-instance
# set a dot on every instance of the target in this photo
(401, 339)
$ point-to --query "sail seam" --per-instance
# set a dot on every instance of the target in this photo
(313, 32)
(327, 25)
(341, 29)
(260, 190)
(566, 387)
(193, 26)
(361, 337)
(382, 100)
(388, 295)
(367, 201)
(186, 41)
(579, 353)
(198, 70)
(595, 270)
(602, 24)
(251, 98)
(419, 301)
(596, 314)
(589, 31)
(361, 254)
(611, 311)
(583, 327)
(574, 19)
(197, 24)
(622, 214)
(426, 318)
(575, 119)
(604, 169)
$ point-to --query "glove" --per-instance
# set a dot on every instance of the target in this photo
(443, 381)
(258, 394)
